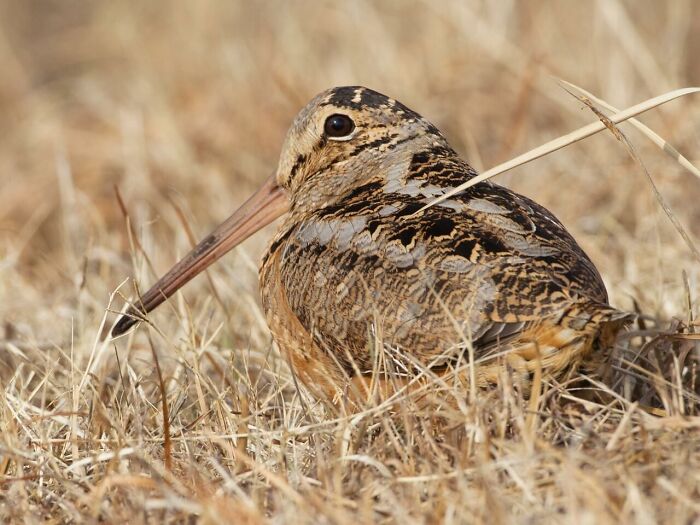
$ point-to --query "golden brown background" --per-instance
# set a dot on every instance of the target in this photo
(184, 105)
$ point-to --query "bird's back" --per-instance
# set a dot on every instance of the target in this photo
(488, 268)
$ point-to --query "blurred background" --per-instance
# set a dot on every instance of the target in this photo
(183, 106)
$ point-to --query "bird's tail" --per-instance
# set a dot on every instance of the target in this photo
(604, 324)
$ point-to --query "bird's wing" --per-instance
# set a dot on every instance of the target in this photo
(486, 266)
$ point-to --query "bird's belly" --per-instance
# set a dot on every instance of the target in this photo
(329, 310)
(314, 366)
(347, 305)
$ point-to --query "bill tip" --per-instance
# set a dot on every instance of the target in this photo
(124, 323)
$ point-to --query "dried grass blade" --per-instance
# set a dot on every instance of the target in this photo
(650, 133)
(610, 125)
(563, 141)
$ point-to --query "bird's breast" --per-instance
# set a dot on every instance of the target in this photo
(352, 282)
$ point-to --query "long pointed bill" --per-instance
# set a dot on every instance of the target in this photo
(268, 203)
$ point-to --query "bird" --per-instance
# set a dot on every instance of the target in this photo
(363, 281)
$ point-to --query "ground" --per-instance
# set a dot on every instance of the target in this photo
(160, 118)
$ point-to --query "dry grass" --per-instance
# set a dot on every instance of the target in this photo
(184, 109)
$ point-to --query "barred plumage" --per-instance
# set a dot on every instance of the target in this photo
(355, 260)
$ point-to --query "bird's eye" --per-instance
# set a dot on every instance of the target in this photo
(338, 126)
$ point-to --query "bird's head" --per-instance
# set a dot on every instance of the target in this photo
(343, 137)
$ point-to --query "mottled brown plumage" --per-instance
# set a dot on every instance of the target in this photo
(356, 264)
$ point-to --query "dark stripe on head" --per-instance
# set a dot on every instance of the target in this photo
(346, 97)
(300, 160)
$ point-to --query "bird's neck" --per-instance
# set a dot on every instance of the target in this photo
(408, 168)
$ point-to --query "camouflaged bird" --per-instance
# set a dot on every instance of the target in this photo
(356, 263)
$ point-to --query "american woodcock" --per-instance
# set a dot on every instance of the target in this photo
(356, 265)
